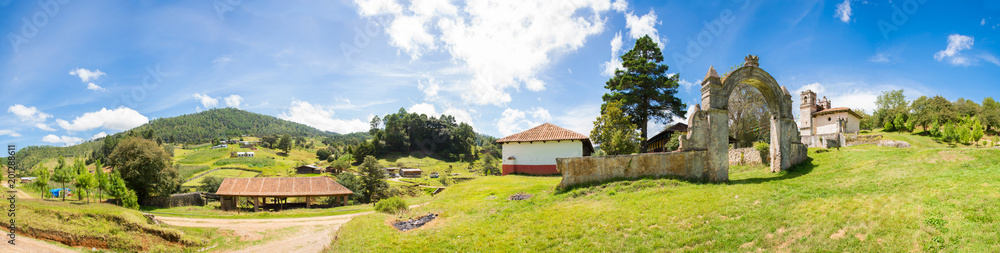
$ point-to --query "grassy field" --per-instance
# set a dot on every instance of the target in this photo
(860, 199)
(221, 173)
(104, 226)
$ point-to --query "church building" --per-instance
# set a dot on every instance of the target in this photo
(822, 125)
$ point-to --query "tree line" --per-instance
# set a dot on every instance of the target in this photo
(404, 132)
(961, 120)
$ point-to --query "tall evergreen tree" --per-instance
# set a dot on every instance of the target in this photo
(644, 87)
(373, 182)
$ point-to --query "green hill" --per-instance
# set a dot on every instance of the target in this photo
(858, 199)
(225, 122)
(199, 127)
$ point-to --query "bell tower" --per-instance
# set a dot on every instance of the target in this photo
(808, 107)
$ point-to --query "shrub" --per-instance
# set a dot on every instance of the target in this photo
(822, 150)
(391, 205)
(764, 149)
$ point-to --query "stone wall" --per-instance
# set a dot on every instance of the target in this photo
(685, 164)
(744, 156)
(824, 140)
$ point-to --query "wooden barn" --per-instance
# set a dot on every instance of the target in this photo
(273, 192)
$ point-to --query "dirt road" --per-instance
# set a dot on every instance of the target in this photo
(306, 235)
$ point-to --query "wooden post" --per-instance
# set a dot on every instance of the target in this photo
(308, 202)
(345, 199)
(256, 204)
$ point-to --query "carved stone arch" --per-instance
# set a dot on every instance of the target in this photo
(709, 127)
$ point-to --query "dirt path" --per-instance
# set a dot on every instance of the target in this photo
(307, 234)
(310, 235)
(28, 244)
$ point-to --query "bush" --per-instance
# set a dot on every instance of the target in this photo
(391, 205)
(765, 151)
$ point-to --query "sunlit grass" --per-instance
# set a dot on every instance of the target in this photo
(858, 199)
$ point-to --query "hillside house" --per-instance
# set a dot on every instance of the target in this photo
(820, 124)
(308, 169)
(535, 150)
(658, 142)
(242, 154)
(273, 192)
(410, 172)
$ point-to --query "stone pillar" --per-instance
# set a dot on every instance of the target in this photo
(717, 169)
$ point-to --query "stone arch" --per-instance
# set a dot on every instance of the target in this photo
(709, 126)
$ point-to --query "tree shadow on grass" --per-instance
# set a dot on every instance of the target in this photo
(798, 170)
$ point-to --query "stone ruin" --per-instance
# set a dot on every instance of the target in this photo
(704, 151)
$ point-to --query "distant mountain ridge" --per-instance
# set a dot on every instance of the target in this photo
(225, 122)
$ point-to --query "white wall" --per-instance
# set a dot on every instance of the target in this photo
(827, 124)
(539, 153)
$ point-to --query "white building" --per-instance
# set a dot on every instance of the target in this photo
(535, 150)
(819, 123)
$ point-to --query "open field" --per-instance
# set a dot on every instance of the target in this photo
(863, 198)
(103, 226)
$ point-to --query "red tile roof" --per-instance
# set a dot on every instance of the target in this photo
(281, 187)
(834, 110)
(544, 132)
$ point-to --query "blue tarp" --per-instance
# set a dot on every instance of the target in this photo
(55, 192)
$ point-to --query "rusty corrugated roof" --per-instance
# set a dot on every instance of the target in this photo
(544, 132)
(281, 187)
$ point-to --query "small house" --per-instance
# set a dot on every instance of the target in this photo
(307, 169)
(658, 143)
(535, 150)
(25, 180)
(435, 174)
(332, 170)
(242, 154)
(410, 172)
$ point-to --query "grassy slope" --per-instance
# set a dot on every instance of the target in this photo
(102, 225)
(861, 198)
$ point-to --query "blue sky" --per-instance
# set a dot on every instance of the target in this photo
(73, 70)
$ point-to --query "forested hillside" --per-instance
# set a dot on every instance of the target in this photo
(194, 128)
(225, 122)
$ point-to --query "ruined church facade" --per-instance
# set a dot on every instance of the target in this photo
(824, 126)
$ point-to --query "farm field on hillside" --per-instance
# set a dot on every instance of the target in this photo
(863, 198)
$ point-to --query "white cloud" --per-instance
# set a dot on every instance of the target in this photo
(9, 132)
(687, 85)
(644, 25)
(615, 63)
(424, 108)
(206, 101)
(880, 57)
(95, 87)
(222, 60)
(619, 5)
(28, 113)
(99, 135)
(322, 119)
(844, 11)
(990, 58)
(122, 118)
(66, 140)
(952, 54)
(430, 87)
(982, 22)
(234, 101)
(814, 87)
(44, 126)
(87, 75)
(493, 40)
(460, 115)
(512, 120)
